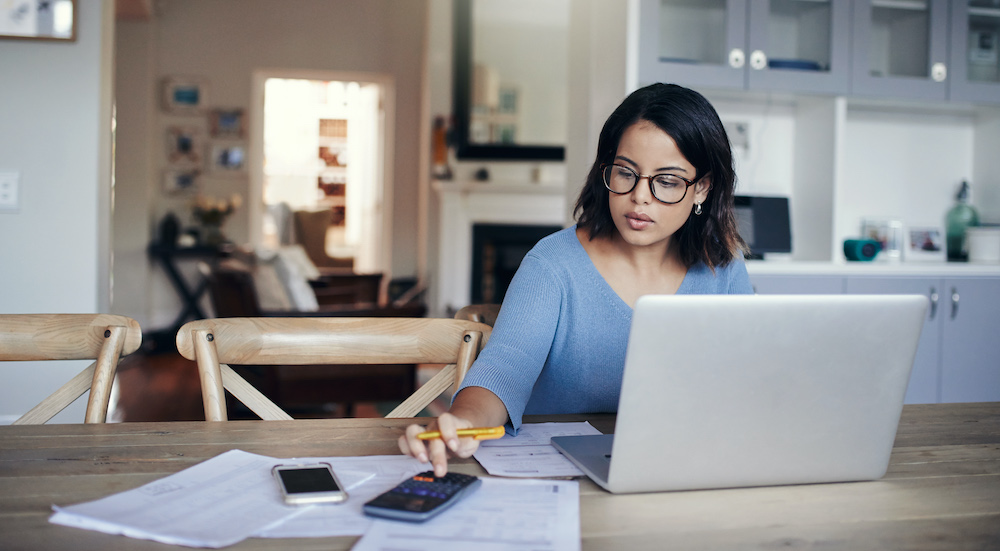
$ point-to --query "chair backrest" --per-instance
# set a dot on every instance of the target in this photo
(215, 343)
(483, 313)
(104, 338)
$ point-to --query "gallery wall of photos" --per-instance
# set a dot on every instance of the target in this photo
(201, 139)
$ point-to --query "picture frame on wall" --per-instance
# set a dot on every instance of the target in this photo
(925, 244)
(185, 147)
(228, 157)
(889, 234)
(39, 20)
(185, 95)
(227, 123)
(180, 181)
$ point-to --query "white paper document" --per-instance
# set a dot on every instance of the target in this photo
(502, 515)
(530, 454)
(347, 519)
(229, 498)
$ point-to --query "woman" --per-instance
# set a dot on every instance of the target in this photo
(655, 217)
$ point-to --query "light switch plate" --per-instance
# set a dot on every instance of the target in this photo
(10, 182)
(739, 133)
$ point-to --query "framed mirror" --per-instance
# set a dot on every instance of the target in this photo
(38, 19)
(511, 61)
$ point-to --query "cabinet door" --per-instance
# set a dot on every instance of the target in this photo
(900, 49)
(975, 51)
(797, 284)
(693, 42)
(925, 379)
(796, 46)
(970, 355)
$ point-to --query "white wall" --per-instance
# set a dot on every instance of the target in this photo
(55, 130)
(224, 41)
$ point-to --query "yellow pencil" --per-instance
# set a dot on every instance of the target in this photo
(481, 433)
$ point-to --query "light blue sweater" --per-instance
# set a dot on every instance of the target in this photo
(558, 345)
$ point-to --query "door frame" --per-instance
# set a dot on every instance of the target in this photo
(255, 156)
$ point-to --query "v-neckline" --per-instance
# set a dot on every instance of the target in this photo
(597, 273)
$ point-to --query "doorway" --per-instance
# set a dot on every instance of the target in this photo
(320, 151)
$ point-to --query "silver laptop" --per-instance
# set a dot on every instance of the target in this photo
(756, 390)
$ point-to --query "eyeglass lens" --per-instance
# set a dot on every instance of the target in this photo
(667, 188)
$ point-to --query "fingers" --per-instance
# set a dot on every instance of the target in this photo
(436, 451)
(433, 451)
(448, 425)
(410, 445)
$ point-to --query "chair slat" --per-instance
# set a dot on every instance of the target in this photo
(46, 337)
(217, 343)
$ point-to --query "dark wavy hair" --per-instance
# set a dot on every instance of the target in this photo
(685, 115)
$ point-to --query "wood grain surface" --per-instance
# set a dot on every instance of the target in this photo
(942, 490)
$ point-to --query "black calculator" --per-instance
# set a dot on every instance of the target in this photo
(422, 497)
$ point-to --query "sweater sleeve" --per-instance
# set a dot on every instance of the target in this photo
(510, 363)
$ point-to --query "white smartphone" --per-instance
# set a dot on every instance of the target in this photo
(312, 483)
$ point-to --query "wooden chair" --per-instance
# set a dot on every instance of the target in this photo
(42, 337)
(215, 343)
(313, 388)
(482, 313)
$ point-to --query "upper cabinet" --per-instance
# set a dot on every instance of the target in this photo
(900, 49)
(930, 50)
(975, 51)
(773, 45)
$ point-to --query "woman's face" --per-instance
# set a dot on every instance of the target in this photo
(641, 219)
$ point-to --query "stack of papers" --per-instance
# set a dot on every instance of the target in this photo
(233, 496)
(530, 454)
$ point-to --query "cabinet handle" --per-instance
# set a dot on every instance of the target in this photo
(758, 60)
(954, 302)
(736, 58)
(934, 302)
(939, 72)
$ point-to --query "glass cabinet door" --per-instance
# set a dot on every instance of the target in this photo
(975, 50)
(900, 48)
(693, 42)
(799, 45)
(786, 45)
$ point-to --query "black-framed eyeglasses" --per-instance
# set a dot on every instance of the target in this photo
(666, 188)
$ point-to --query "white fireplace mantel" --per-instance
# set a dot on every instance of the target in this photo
(463, 204)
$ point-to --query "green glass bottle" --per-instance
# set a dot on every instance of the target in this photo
(959, 218)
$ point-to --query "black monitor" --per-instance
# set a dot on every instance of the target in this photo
(764, 224)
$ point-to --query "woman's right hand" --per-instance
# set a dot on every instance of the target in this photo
(438, 450)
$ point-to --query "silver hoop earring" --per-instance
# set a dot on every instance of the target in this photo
(697, 208)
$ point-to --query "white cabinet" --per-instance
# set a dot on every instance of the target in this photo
(958, 359)
(775, 45)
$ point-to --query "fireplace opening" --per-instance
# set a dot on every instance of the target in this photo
(497, 251)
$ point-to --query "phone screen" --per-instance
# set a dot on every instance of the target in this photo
(313, 479)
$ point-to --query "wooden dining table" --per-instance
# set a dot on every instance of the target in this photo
(942, 489)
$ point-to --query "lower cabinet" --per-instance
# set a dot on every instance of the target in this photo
(958, 358)
(959, 353)
(925, 379)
